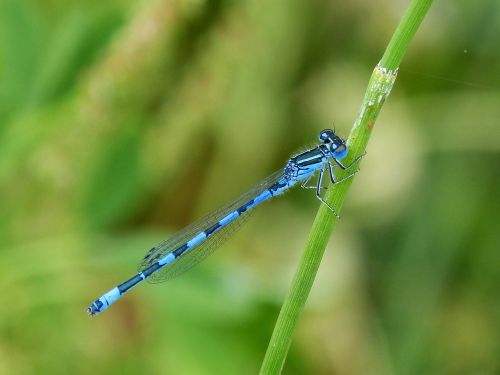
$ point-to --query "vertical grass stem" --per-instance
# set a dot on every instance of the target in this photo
(379, 87)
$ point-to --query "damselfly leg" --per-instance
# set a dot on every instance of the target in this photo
(318, 193)
(333, 180)
(306, 181)
(345, 167)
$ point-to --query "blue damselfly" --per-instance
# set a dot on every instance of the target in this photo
(194, 243)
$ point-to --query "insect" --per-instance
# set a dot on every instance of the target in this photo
(194, 243)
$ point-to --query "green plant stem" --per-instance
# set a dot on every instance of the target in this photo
(379, 87)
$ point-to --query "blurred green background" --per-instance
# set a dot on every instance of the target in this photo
(123, 121)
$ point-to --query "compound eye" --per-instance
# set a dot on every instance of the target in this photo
(326, 136)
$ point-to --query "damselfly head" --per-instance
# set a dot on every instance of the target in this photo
(336, 144)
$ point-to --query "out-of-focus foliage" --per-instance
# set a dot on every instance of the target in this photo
(121, 122)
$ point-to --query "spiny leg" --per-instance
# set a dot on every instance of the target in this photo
(344, 167)
(318, 194)
(304, 184)
(332, 176)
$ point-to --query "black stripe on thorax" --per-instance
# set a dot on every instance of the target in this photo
(309, 157)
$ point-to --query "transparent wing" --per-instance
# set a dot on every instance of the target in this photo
(195, 255)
